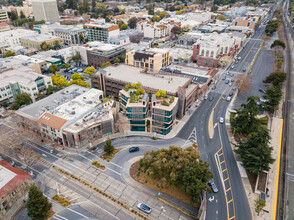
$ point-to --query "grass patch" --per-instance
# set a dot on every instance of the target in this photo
(98, 165)
(63, 201)
(158, 186)
(108, 157)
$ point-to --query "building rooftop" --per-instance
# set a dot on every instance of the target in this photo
(40, 37)
(98, 45)
(130, 74)
(101, 25)
(18, 61)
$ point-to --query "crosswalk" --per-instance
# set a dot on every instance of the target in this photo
(44, 162)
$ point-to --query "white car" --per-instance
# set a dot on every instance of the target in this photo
(221, 120)
(239, 58)
(206, 97)
(229, 98)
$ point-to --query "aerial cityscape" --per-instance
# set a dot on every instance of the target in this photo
(152, 110)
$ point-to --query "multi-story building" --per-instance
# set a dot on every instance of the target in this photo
(45, 10)
(96, 53)
(136, 106)
(35, 41)
(211, 47)
(4, 27)
(112, 79)
(3, 16)
(152, 59)
(163, 113)
(250, 23)
(23, 80)
(154, 30)
(72, 117)
(26, 9)
(121, 40)
(101, 31)
(14, 186)
(12, 38)
(71, 34)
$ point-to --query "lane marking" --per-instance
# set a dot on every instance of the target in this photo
(115, 164)
(78, 213)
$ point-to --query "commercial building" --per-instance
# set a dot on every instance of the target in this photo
(136, 107)
(14, 185)
(112, 79)
(45, 10)
(3, 16)
(25, 8)
(101, 31)
(12, 38)
(73, 117)
(19, 61)
(163, 113)
(35, 41)
(121, 40)
(154, 30)
(71, 34)
(23, 80)
(4, 27)
(211, 47)
(96, 53)
(152, 59)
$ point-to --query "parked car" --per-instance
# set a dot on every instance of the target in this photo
(261, 90)
(232, 67)
(134, 149)
(211, 98)
(144, 208)
(239, 58)
(221, 120)
(234, 88)
(236, 62)
(227, 81)
(206, 97)
(229, 98)
(224, 77)
(231, 74)
(262, 99)
(231, 94)
(228, 73)
(232, 80)
(212, 185)
(244, 69)
(214, 87)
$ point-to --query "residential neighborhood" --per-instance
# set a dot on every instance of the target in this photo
(137, 109)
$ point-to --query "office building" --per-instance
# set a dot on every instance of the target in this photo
(136, 107)
(45, 10)
(71, 34)
(101, 31)
(23, 80)
(35, 41)
(3, 16)
(73, 117)
(152, 59)
(4, 27)
(12, 38)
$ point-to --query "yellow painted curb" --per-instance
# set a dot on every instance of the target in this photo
(179, 209)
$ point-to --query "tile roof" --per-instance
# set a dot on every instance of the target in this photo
(18, 177)
(52, 121)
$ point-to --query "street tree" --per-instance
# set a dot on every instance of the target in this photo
(178, 167)
(77, 58)
(155, 18)
(276, 78)
(23, 99)
(133, 22)
(243, 82)
(50, 90)
(89, 70)
(13, 15)
(93, 4)
(225, 61)
(56, 44)
(259, 205)
(76, 76)
(53, 68)
(79, 82)
(278, 43)
(9, 53)
(58, 81)
(44, 46)
(65, 66)
(27, 156)
(22, 15)
(40, 95)
(105, 64)
(176, 30)
(38, 205)
(163, 14)
(108, 147)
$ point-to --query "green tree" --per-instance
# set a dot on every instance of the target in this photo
(56, 44)
(65, 66)
(277, 43)
(77, 76)
(122, 58)
(38, 205)
(23, 99)
(221, 17)
(40, 95)
(5, 104)
(86, 6)
(81, 38)
(151, 9)
(132, 22)
(13, 15)
(271, 27)
(77, 58)
(176, 30)
(105, 64)
(89, 70)
(50, 90)
(53, 68)
(117, 60)
(155, 18)
(9, 53)
(79, 82)
(15, 106)
(44, 46)
(259, 205)
(108, 147)
(214, 8)
(22, 14)
(163, 14)
(93, 4)
(276, 78)
(123, 27)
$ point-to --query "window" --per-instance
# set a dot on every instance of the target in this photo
(2, 89)
(34, 88)
(7, 87)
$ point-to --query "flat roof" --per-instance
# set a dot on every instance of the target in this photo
(6, 176)
(130, 74)
(40, 37)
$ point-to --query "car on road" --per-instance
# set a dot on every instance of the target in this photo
(232, 67)
(229, 98)
(212, 185)
(134, 149)
(261, 90)
(236, 62)
(227, 81)
(214, 87)
(211, 98)
(44, 155)
(224, 77)
(231, 74)
(228, 73)
(244, 69)
(232, 80)
(206, 97)
(231, 94)
(234, 88)
(239, 58)
(221, 120)
(145, 208)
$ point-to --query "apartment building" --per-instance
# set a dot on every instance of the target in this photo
(4, 27)
(136, 108)
(154, 30)
(35, 41)
(152, 59)
(12, 38)
(23, 80)
(45, 10)
(163, 113)
(3, 16)
(250, 23)
(73, 117)
(70, 34)
(112, 79)
(25, 8)
(14, 186)
(208, 49)
(100, 31)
